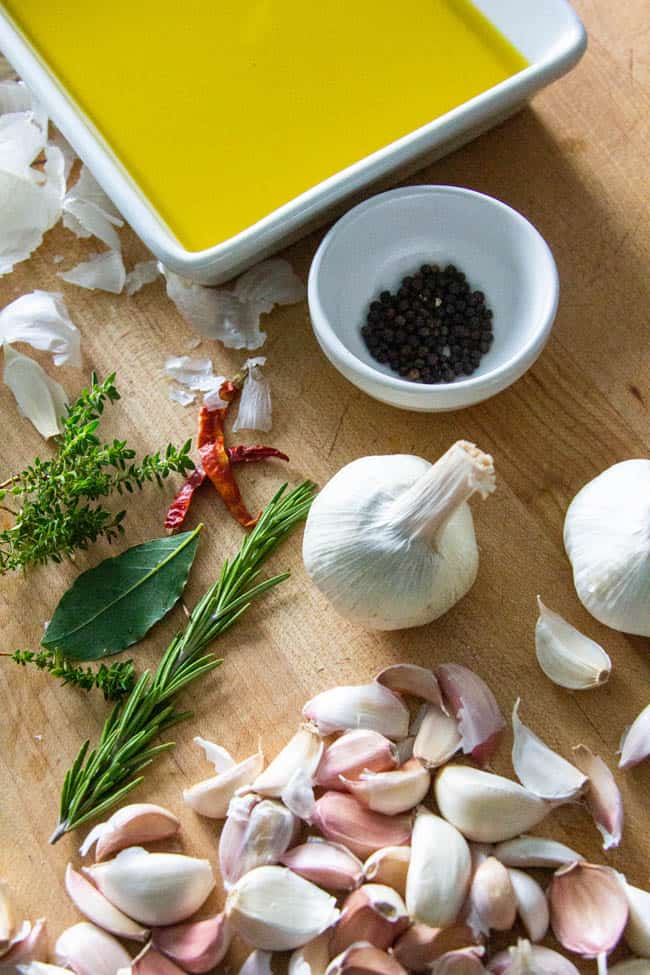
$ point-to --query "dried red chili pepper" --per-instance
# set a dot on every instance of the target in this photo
(181, 503)
(250, 455)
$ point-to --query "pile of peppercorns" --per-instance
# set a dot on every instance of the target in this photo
(433, 329)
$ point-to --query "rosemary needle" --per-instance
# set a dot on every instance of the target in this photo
(100, 778)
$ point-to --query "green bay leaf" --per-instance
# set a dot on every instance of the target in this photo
(112, 606)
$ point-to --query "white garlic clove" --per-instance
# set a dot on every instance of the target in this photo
(370, 707)
(532, 906)
(421, 945)
(462, 961)
(255, 834)
(155, 889)
(312, 958)
(29, 943)
(298, 796)
(535, 851)
(539, 768)
(275, 909)
(353, 753)
(326, 864)
(439, 871)
(635, 744)
(567, 656)
(373, 913)
(303, 752)
(389, 866)
(527, 959)
(485, 807)
(151, 962)
(196, 946)
(257, 963)
(603, 797)
(93, 905)
(637, 932)
(211, 796)
(471, 701)
(393, 792)
(364, 959)
(40, 968)
(411, 679)
(219, 756)
(90, 951)
(7, 919)
(438, 737)
(342, 819)
(632, 966)
(589, 909)
(493, 897)
(132, 825)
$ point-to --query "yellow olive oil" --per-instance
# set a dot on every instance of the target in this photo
(223, 110)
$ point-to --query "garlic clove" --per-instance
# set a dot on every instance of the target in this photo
(40, 968)
(438, 737)
(411, 679)
(342, 819)
(493, 897)
(7, 919)
(539, 768)
(527, 959)
(303, 751)
(535, 851)
(28, 944)
(256, 833)
(197, 946)
(211, 796)
(298, 796)
(461, 961)
(632, 966)
(219, 756)
(93, 905)
(389, 866)
(151, 962)
(155, 889)
(637, 932)
(635, 744)
(532, 905)
(141, 822)
(257, 963)
(439, 872)
(326, 864)
(393, 792)
(485, 807)
(471, 701)
(353, 753)
(364, 959)
(371, 707)
(312, 958)
(421, 945)
(90, 951)
(589, 909)
(603, 797)
(273, 908)
(567, 656)
(373, 913)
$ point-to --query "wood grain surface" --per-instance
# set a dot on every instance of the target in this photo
(576, 164)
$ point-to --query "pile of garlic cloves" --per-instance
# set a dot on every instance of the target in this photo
(335, 852)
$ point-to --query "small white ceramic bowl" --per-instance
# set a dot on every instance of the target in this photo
(390, 235)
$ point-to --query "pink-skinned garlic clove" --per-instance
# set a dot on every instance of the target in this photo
(437, 738)
(524, 959)
(342, 819)
(471, 701)
(329, 865)
(132, 825)
(462, 961)
(602, 796)
(364, 959)
(151, 962)
(532, 905)
(197, 946)
(93, 905)
(353, 753)
(411, 679)
(370, 707)
(392, 792)
(493, 897)
(373, 913)
(421, 945)
(256, 833)
(28, 944)
(635, 743)
(589, 910)
(90, 951)
(389, 866)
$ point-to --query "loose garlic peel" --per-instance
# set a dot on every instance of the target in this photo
(303, 752)
(589, 910)
(390, 540)
(211, 796)
(567, 656)
(635, 743)
(532, 905)
(539, 768)
(607, 540)
(602, 797)
(527, 959)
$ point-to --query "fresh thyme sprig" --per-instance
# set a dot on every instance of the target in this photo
(115, 681)
(56, 513)
(100, 778)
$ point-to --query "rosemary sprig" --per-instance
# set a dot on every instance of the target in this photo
(115, 681)
(52, 501)
(100, 778)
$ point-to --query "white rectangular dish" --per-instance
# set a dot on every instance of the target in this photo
(549, 35)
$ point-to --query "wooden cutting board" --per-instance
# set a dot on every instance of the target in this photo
(576, 165)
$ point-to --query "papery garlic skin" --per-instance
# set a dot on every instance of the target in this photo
(390, 540)
(589, 909)
(369, 707)
(539, 768)
(567, 656)
(275, 909)
(438, 737)
(303, 751)
(312, 958)
(411, 679)
(603, 797)
(535, 851)
(256, 833)
(439, 871)
(90, 951)
(607, 540)
(211, 796)
(532, 905)
(487, 808)
(637, 932)
(527, 959)
(151, 962)
(29, 943)
(635, 744)
(418, 947)
(480, 721)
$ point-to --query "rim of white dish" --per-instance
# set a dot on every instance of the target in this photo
(321, 324)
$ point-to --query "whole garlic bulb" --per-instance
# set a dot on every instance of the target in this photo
(390, 540)
(607, 539)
